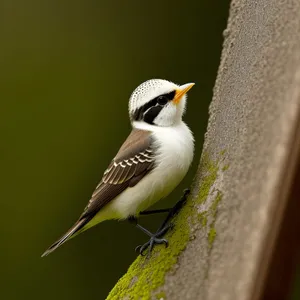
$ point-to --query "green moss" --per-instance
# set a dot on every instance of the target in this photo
(161, 296)
(145, 275)
(226, 167)
(222, 153)
(215, 203)
(210, 171)
(213, 212)
(211, 236)
(202, 218)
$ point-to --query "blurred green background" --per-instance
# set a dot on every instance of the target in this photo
(67, 70)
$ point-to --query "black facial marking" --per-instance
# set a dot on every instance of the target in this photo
(170, 95)
(151, 109)
(152, 113)
(138, 114)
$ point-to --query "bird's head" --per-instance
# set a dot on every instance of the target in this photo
(158, 102)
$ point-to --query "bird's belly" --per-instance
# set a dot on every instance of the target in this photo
(148, 191)
(152, 188)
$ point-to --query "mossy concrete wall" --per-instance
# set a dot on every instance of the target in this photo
(220, 246)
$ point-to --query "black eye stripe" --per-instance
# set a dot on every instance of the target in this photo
(139, 113)
(170, 95)
(152, 113)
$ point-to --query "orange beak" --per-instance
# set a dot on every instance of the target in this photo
(182, 91)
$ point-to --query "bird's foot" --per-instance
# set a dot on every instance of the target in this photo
(155, 239)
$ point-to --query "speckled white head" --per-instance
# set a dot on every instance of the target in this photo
(158, 102)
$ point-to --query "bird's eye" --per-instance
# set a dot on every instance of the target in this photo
(162, 100)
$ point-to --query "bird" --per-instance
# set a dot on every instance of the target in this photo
(151, 162)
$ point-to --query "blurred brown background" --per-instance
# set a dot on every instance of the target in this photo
(67, 69)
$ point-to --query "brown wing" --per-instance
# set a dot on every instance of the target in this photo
(134, 160)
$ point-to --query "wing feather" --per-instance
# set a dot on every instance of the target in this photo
(134, 160)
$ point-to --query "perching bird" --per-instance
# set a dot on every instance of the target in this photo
(149, 165)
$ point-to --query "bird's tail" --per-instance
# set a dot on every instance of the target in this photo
(70, 233)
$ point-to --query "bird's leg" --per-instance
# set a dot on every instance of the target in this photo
(154, 211)
(154, 238)
(163, 229)
(171, 210)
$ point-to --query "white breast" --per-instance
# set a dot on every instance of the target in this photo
(175, 148)
(175, 153)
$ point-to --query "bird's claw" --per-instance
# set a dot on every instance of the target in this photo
(150, 244)
(154, 240)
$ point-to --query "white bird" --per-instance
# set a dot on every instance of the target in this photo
(149, 165)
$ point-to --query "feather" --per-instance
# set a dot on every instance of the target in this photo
(75, 228)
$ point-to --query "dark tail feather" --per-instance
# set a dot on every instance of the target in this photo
(79, 225)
